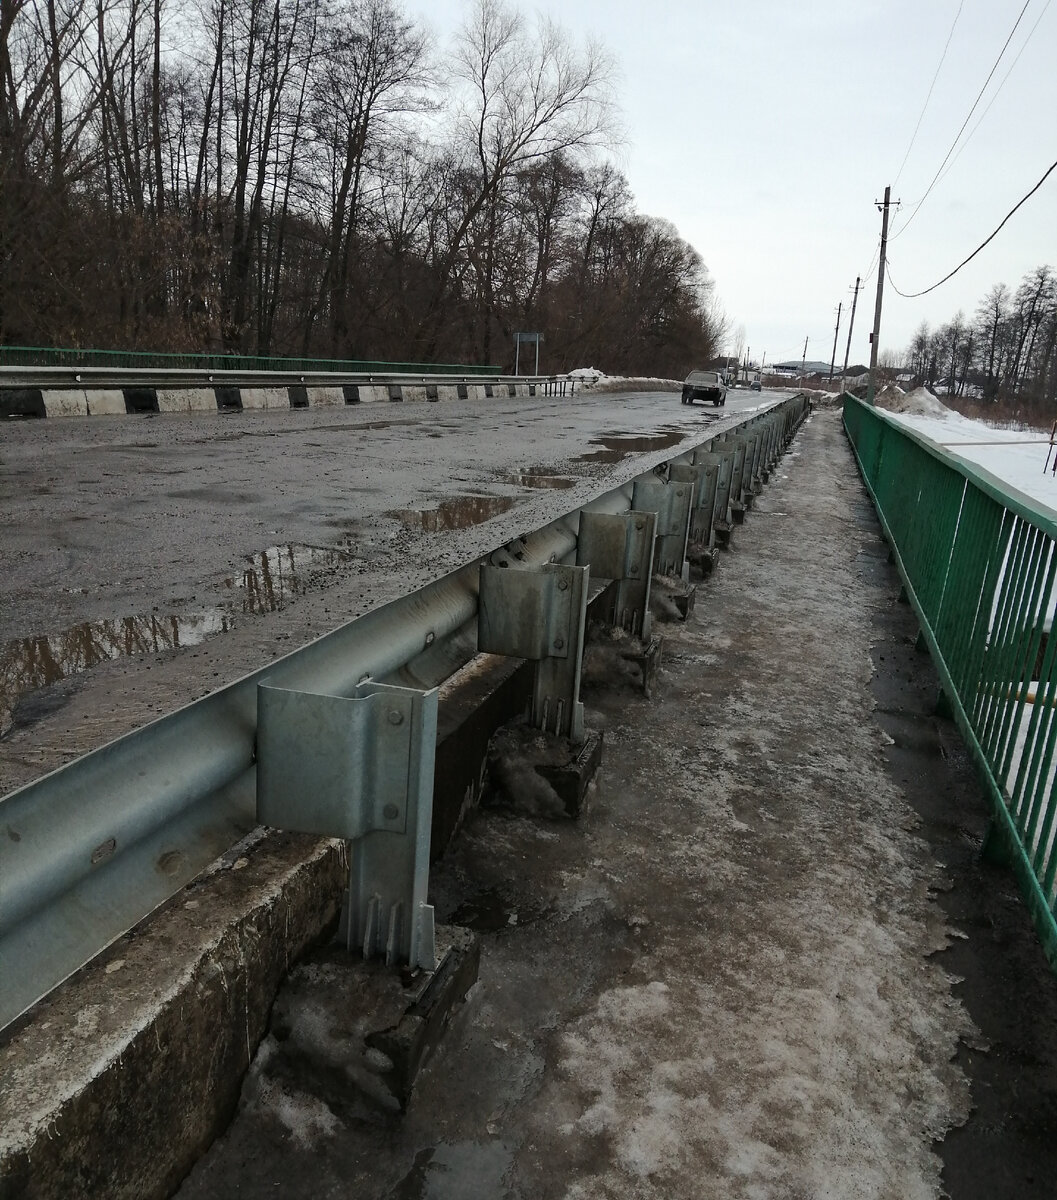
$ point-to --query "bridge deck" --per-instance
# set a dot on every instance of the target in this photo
(736, 975)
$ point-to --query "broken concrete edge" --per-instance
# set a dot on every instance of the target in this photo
(127, 1072)
(540, 774)
(412, 1041)
(572, 778)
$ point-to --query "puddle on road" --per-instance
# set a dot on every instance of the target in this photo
(618, 446)
(457, 513)
(274, 575)
(533, 480)
(267, 583)
(28, 664)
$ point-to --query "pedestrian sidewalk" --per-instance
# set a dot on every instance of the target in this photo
(737, 975)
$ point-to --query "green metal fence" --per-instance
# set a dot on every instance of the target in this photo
(143, 360)
(979, 565)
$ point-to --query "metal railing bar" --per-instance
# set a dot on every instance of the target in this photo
(1004, 615)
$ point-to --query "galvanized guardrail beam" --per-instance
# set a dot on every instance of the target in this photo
(95, 846)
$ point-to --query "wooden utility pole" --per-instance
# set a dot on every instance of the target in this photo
(803, 361)
(851, 326)
(875, 337)
(833, 356)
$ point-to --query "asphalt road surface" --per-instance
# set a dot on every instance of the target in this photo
(148, 560)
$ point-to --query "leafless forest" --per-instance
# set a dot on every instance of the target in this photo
(315, 177)
(1004, 357)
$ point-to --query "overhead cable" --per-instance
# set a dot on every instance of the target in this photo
(946, 157)
(914, 295)
(939, 66)
(997, 91)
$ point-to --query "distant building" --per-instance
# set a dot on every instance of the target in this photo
(799, 368)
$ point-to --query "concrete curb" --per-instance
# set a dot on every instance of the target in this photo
(109, 402)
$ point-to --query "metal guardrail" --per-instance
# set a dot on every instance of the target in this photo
(140, 384)
(95, 846)
(979, 563)
(151, 360)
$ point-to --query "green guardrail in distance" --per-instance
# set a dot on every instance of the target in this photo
(42, 356)
(979, 562)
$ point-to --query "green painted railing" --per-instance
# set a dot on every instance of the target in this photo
(146, 360)
(979, 565)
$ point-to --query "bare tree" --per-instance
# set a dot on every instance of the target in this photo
(524, 96)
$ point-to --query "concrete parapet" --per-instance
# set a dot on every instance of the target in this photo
(22, 402)
(187, 400)
(106, 402)
(127, 1073)
(374, 393)
(66, 402)
(447, 391)
(414, 392)
(475, 391)
(325, 397)
(259, 398)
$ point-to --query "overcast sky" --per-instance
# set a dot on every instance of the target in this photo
(766, 129)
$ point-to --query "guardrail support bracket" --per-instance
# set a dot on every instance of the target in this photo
(672, 502)
(620, 547)
(360, 768)
(539, 613)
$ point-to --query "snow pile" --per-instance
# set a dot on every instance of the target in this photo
(918, 403)
(1016, 458)
(588, 374)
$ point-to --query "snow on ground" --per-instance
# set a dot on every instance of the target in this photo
(593, 380)
(1016, 456)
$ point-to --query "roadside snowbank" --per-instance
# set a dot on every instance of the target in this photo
(920, 402)
(1016, 457)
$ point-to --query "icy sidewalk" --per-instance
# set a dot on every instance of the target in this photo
(720, 982)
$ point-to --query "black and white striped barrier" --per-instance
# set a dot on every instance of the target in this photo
(86, 400)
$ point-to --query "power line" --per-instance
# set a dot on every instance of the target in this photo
(865, 275)
(1005, 78)
(921, 115)
(946, 157)
(914, 295)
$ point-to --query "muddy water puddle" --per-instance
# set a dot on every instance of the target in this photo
(267, 583)
(459, 512)
(618, 446)
(273, 576)
(29, 664)
(533, 479)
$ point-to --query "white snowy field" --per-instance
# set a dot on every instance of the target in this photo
(1016, 456)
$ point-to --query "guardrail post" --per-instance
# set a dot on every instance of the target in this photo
(672, 502)
(705, 478)
(721, 458)
(620, 547)
(539, 613)
(361, 768)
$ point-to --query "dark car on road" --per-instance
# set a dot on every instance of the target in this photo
(705, 385)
